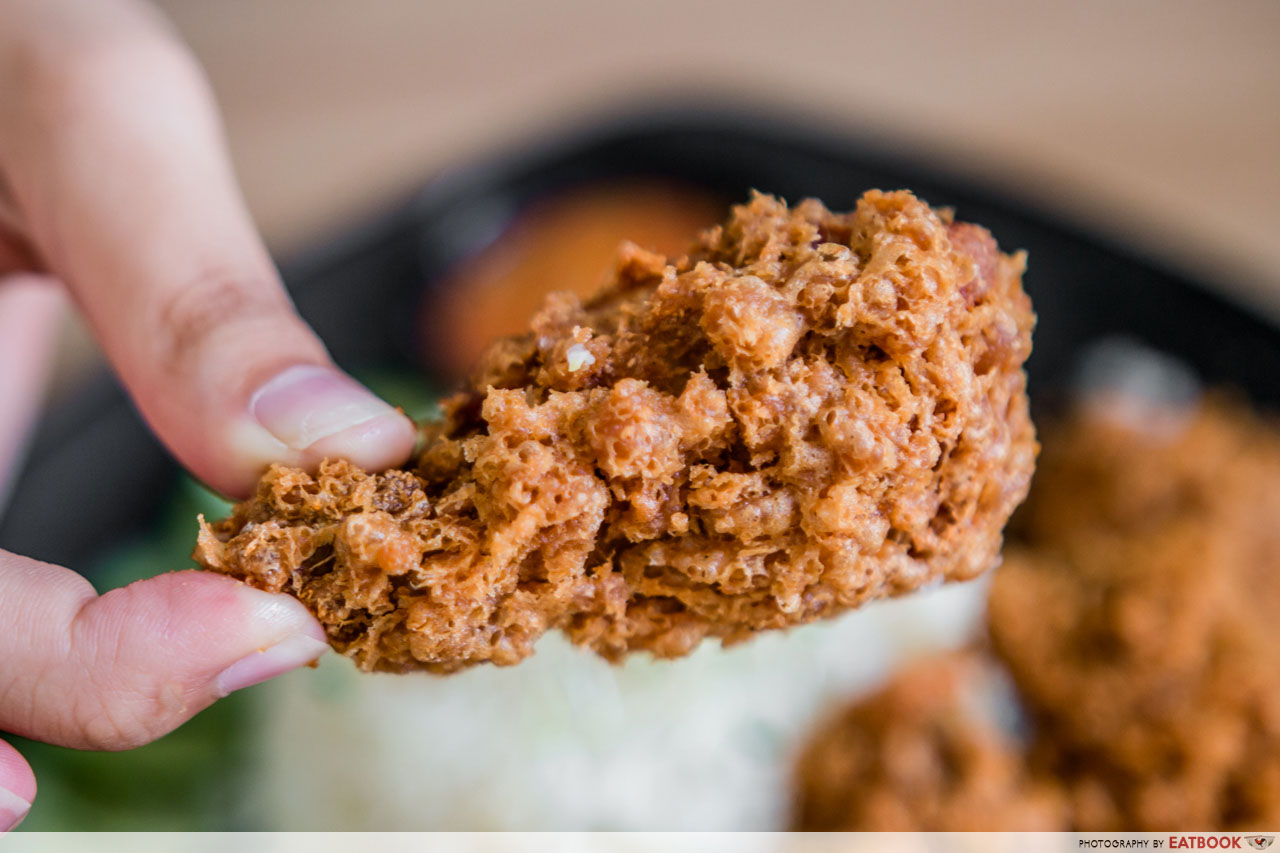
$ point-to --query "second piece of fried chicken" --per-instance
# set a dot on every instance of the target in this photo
(1134, 618)
(809, 411)
(925, 753)
(1133, 621)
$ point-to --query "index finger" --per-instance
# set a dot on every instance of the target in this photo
(114, 159)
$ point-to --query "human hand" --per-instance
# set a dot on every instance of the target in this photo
(115, 190)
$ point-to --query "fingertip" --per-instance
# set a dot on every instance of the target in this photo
(381, 442)
(305, 414)
(264, 664)
(277, 615)
(164, 648)
(17, 787)
(298, 640)
(214, 614)
(318, 410)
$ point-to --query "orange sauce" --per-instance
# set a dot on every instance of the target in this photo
(566, 242)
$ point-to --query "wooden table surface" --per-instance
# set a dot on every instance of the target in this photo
(1158, 118)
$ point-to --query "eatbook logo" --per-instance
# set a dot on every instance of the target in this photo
(1261, 842)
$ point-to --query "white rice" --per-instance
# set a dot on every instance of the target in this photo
(566, 741)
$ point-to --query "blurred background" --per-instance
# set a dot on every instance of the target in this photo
(1155, 123)
(1154, 119)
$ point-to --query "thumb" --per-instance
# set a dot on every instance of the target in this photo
(119, 670)
(17, 787)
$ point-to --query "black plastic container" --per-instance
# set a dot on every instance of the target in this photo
(95, 473)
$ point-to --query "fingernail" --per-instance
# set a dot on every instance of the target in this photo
(276, 616)
(306, 403)
(12, 810)
(286, 655)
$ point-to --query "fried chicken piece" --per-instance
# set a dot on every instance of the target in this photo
(925, 753)
(1135, 619)
(809, 411)
(1133, 615)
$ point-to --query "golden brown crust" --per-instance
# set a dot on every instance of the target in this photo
(810, 411)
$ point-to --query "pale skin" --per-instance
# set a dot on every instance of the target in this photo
(116, 197)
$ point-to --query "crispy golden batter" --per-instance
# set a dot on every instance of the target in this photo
(924, 754)
(1137, 620)
(1134, 615)
(809, 411)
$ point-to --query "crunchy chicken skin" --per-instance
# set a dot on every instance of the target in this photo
(809, 411)
(1137, 620)
(923, 754)
(1134, 617)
